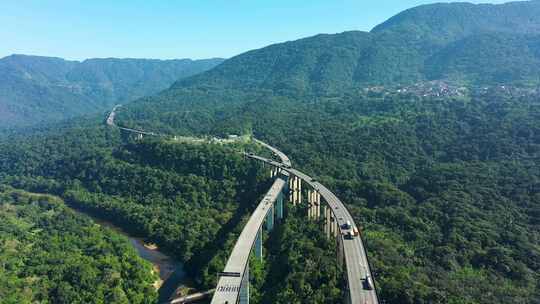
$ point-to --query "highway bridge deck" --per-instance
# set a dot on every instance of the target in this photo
(228, 288)
(355, 254)
(357, 265)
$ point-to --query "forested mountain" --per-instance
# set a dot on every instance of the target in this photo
(446, 188)
(416, 45)
(443, 176)
(40, 89)
(186, 198)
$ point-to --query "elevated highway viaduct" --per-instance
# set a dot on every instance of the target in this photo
(233, 283)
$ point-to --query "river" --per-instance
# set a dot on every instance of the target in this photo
(170, 270)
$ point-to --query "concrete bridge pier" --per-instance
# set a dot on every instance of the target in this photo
(327, 222)
(279, 206)
(299, 190)
(309, 203)
(296, 190)
(258, 245)
(244, 288)
(314, 203)
(291, 189)
(340, 251)
(317, 205)
(270, 218)
(332, 225)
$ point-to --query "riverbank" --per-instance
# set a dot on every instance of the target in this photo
(172, 276)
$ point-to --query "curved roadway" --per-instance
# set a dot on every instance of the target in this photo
(284, 159)
(110, 122)
(228, 288)
(355, 254)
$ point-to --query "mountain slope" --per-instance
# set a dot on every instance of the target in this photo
(444, 180)
(323, 63)
(447, 22)
(402, 50)
(488, 58)
(37, 89)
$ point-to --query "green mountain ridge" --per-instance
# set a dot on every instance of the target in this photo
(442, 177)
(452, 21)
(42, 89)
(400, 50)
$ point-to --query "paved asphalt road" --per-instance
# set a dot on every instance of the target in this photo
(355, 254)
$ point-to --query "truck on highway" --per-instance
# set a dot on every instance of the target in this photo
(351, 233)
(347, 225)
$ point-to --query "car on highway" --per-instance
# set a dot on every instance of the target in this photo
(347, 225)
(368, 283)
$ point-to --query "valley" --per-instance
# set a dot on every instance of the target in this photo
(426, 130)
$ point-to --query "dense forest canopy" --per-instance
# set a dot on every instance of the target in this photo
(428, 167)
(183, 197)
(427, 128)
(444, 181)
(50, 254)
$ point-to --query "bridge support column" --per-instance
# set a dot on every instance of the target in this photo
(317, 205)
(291, 189)
(314, 204)
(315, 210)
(340, 251)
(279, 206)
(332, 225)
(295, 191)
(299, 191)
(309, 203)
(270, 218)
(330, 222)
(244, 288)
(327, 222)
(258, 245)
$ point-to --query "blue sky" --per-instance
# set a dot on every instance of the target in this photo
(79, 29)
